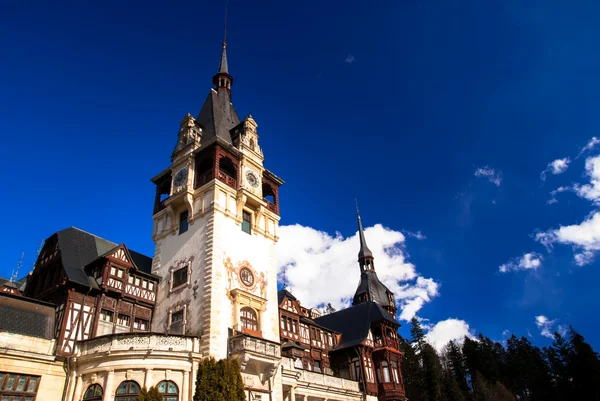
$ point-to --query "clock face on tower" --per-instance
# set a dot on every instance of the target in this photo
(252, 178)
(180, 177)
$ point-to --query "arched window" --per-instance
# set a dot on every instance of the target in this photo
(248, 319)
(93, 393)
(268, 193)
(226, 166)
(251, 143)
(127, 391)
(168, 390)
(386, 371)
(204, 171)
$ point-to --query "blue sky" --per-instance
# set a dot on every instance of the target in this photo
(398, 104)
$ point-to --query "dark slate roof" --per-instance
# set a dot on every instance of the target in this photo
(223, 64)
(281, 294)
(79, 248)
(364, 249)
(376, 291)
(26, 316)
(354, 322)
(217, 116)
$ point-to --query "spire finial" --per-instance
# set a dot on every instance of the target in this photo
(222, 79)
(225, 26)
(15, 274)
(364, 252)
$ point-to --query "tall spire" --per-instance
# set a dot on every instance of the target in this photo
(222, 80)
(364, 252)
(223, 64)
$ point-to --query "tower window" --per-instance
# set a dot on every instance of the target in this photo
(248, 319)
(180, 276)
(176, 326)
(246, 222)
(386, 371)
(183, 222)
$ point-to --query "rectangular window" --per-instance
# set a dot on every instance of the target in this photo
(106, 315)
(123, 320)
(183, 222)
(130, 279)
(120, 273)
(180, 277)
(246, 222)
(282, 322)
(395, 372)
(176, 322)
(14, 386)
(330, 339)
(137, 281)
(317, 367)
(140, 324)
(151, 286)
(304, 333)
(145, 284)
(295, 326)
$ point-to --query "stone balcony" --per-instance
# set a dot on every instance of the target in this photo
(138, 343)
(255, 354)
(305, 382)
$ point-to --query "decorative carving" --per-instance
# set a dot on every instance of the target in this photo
(189, 135)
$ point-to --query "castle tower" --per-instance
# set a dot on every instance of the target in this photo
(215, 216)
(370, 288)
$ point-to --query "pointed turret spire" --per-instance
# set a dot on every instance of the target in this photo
(222, 80)
(365, 257)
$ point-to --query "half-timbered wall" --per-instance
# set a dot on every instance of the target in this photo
(77, 322)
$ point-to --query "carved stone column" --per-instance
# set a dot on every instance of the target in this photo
(108, 387)
(292, 395)
(78, 388)
(186, 386)
(148, 378)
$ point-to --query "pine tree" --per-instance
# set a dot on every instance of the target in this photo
(154, 395)
(143, 394)
(456, 365)
(584, 368)
(411, 372)
(208, 382)
(450, 389)
(558, 359)
(417, 333)
(432, 373)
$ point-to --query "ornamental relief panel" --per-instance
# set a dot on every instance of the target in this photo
(243, 276)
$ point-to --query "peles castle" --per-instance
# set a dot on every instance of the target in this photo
(97, 321)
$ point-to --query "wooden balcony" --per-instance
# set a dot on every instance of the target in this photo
(227, 179)
(204, 178)
(386, 343)
(390, 392)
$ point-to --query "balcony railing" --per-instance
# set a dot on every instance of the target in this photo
(272, 207)
(321, 379)
(242, 343)
(138, 342)
(386, 342)
(227, 179)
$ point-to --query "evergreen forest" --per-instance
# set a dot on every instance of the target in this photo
(484, 370)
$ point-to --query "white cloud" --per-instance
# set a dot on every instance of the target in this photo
(350, 59)
(553, 194)
(556, 167)
(321, 268)
(418, 235)
(531, 260)
(590, 191)
(589, 146)
(546, 326)
(493, 176)
(584, 237)
(506, 333)
(450, 329)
